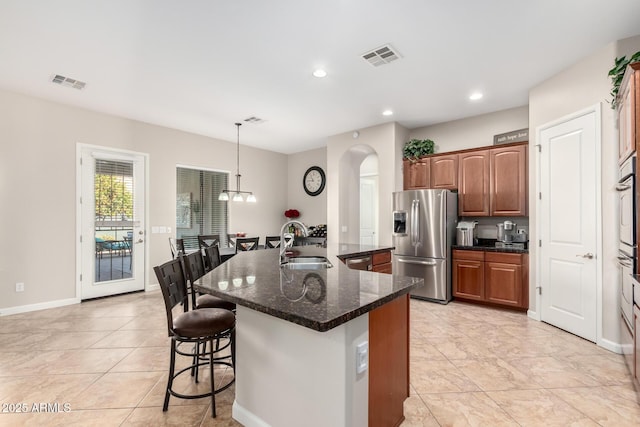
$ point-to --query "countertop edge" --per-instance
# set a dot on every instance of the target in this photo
(490, 249)
(299, 320)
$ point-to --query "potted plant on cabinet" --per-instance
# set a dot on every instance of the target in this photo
(617, 74)
(416, 148)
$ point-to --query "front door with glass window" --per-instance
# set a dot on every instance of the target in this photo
(112, 241)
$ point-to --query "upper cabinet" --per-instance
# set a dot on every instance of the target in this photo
(491, 181)
(416, 173)
(444, 171)
(629, 111)
(508, 182)
(473, 183)
(438, 171)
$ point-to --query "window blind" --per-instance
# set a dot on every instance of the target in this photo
(198, 210)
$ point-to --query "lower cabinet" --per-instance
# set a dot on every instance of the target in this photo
(493, 277)
(382, 262)
(468, 275)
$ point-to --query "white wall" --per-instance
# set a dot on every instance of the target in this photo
(584, 84)
(38, 184)
(477, 131)
(313, 210)
(344, 156)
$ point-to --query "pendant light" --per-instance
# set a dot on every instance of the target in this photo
(237, 194)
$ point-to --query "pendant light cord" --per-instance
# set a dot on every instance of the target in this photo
(238, 159)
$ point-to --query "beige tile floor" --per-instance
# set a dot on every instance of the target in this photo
(107, 360)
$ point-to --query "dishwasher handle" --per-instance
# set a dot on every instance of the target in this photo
(356, 262)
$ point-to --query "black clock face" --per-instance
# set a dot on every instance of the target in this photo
(313, 180)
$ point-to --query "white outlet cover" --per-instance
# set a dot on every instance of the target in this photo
(362, 357)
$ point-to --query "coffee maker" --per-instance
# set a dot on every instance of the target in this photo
(506, 231)
(510, 237)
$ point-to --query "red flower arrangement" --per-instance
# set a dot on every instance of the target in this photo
(292, 213)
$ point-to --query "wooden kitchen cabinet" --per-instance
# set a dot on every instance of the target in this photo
(473, 183)
(416, 173)
(444, 172)
(628, 109)
(382, 262)
(503, 278)
(492, 277)
(508, 181)
(468, 274)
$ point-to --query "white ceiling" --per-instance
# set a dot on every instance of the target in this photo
(202, 65)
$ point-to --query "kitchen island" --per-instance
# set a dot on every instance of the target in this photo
(310, 342)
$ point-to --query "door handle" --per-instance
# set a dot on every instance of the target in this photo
(410, 261)
(588, 255)
(139, 241)
(623, 187)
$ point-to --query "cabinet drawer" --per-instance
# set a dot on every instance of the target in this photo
(381, 257)
(504, 258)
(468, 255)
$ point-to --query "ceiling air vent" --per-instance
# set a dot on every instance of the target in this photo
(66, 81)
(254, 120)
(381, 55)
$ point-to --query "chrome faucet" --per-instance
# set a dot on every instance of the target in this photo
(283, 243)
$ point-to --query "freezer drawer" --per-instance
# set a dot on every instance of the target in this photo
(434, 271)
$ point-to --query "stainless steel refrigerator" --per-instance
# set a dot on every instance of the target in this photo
(424, 223)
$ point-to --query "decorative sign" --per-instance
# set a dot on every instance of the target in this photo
(513, 136)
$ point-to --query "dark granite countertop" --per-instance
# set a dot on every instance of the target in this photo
(348, 250)
(488, 245)
(316, 299)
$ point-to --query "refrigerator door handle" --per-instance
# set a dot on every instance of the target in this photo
(415, 223)
(411, 261)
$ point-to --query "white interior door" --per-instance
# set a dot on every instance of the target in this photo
(112, 222)
(569, 169)
(368, 210)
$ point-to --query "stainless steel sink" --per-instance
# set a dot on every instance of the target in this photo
(307, 263)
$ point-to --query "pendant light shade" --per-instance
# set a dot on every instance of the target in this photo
(237, 194)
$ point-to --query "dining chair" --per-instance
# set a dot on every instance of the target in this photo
(231, 240)
(206, 240)
(197, 327)
(247, 243)
(272, 242)
(194, 270)
(212, 257)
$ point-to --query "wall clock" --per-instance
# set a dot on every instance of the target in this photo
(314, 180)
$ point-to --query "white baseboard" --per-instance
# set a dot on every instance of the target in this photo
(245, 417)
(532, 314)
(39, 306)
(152, 287)
(610, 345)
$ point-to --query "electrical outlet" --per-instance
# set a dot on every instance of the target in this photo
(20, 287)
(362, 357)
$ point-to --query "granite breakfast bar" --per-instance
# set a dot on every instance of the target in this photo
(298, 332)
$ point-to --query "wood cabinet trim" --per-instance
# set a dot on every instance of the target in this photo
(468, 255)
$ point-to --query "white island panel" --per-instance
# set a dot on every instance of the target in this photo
(289, 375)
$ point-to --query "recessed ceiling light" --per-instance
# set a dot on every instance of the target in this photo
(387, 113)
(475, 96)
(320, 73)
